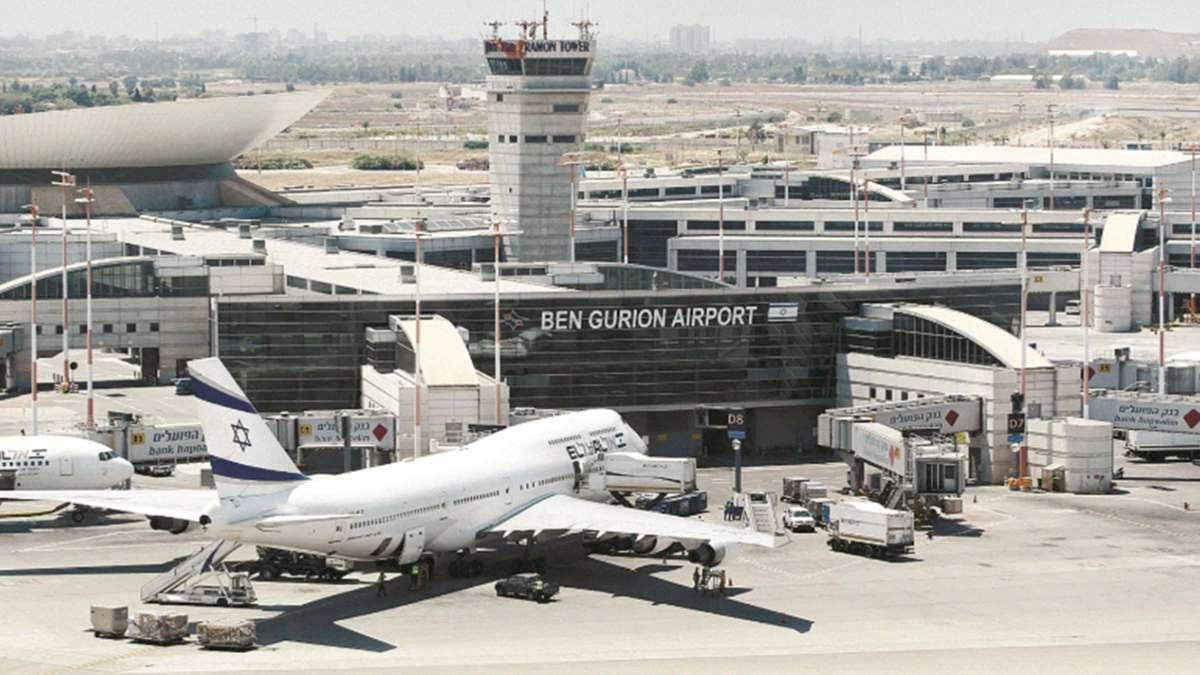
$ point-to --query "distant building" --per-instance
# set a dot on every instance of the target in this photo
(694, 39)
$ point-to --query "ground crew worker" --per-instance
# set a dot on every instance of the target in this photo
(414, 578)
(696, 578)
(722, 582)
(380, 589)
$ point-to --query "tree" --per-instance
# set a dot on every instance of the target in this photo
(755, 133)
(1112, 83)
(699, 71)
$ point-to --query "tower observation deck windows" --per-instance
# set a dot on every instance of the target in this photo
(557, 67)
(505, 66)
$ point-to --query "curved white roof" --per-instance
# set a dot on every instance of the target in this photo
(176, 133)
(445, 361)
(1001, 344)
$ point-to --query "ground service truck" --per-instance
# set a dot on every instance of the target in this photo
(866, 528)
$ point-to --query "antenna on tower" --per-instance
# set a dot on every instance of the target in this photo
(545, 21)
(528, 29)
(495, 28)
(585, 32)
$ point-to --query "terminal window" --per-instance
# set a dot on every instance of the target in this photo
(535, 139)
(565, 139)
(131, 328)
(566, 107)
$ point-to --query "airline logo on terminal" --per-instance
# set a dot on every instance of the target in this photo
(648, 317)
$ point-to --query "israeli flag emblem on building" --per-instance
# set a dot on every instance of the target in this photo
(784, 311)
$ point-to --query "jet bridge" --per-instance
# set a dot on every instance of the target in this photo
(904, 451)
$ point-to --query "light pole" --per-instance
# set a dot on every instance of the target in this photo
(1085, 315)
(418, 371)
(65, 180)
(572, 160)
(721, 212)
(925, 165)
(1023, 464)
(624, 173)
(901, 122)
(854, 153)
(1020, 106)
(496, 234)
(33, 324)
(867, 231)
(787, 167)
(1162, 290)
(87, 200)
(1193, 149)
(1050, 117)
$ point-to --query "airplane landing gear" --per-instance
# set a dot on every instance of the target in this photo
(527, 563)
(79, 514)
(465, 566)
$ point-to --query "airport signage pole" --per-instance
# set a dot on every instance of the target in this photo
(65, 180)
(33, 321)
(721, 152)
(925, 165)
(902, 120)
(86, 200)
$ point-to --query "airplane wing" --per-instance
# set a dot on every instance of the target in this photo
(182, 504)
(564, 514)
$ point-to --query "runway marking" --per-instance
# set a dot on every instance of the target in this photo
(1145, 526)
(74, 544)
(110, 659)
(802, 577)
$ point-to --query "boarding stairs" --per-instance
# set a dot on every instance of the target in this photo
(758, 511)
(204, 561)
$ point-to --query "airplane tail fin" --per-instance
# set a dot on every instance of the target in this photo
(246, 458)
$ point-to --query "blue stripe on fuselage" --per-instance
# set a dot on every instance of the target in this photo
(227, 469)
(210, 394)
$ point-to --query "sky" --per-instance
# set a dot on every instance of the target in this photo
(812, 20)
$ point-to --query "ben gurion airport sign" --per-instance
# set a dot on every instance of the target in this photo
(667, 317)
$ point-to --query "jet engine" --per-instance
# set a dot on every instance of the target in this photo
(172, 525)
(708, 553)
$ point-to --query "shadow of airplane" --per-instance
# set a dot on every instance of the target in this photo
(317, 622)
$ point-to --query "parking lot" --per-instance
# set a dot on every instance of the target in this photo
(1063, 583)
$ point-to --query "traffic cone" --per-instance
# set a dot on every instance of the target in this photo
(975, 499)
(783, 618)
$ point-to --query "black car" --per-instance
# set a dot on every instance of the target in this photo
(530, 586)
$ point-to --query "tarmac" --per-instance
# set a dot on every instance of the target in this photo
(1018, 582)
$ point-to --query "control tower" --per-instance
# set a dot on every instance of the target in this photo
(538, 93)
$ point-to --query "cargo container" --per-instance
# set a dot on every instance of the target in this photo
(866, 528)
(109, 621)
(793, 489)
(635, 472)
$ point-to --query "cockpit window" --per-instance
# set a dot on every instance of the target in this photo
(106, 456)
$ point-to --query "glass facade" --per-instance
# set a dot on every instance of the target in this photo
(625, 350)
(124, 280)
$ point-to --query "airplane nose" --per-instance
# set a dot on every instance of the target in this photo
(126, 468)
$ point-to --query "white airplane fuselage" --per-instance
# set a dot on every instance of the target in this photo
(59, 463)
(447, 498)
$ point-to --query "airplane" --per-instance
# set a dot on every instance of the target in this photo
(43, 463)
(527, 484)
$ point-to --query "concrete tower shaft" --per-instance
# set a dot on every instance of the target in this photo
(538, 95)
